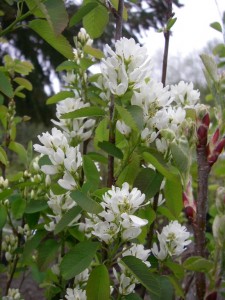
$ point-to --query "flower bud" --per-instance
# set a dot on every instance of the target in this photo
(219, 229)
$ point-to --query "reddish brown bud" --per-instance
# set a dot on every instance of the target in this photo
(206, 120)
(215, 136)
(202, 133)
(212, 296)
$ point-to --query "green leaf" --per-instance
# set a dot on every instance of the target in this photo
(67, 218)
(211, 66)
(32, 244)
(59, 97)
(126, 116)
(18, 206)
(3, 157)
(98, 285)
(95, 21)
(111, 149)
(137, 114)
(177, 269)
(101, 132)
(83, 11)
(67, 66)
(98, 157)
(58, 17)
(181, 156)
(24, 82)
(5, 194)
(90, 171)
(85, 63)
(78, 259)
(166, 212)
(157, 160)
(198, 264)
(173, 195)
(36, 206)
(219, 50)
(148, 182)
(86, 203)
(92, 111)
(97, 53)
(142, 273)
(5, 85)
(59, 42)
(57, 189)
(129, 172)
(170, 23)
(19, 149)
(3, 215)
(47, 252)
(216, 26)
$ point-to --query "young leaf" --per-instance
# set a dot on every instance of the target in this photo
(148, 181)
(92, 111)
(3, 157)
(210, 66)
(18, 206)
(47, 251)
(5, 194)
(90, 171)
(78, 259)
(111, 149)
(127, 117)
(216, 26)
(59, 42)
(95, 21)
(97, 53)
(129, 172)
(58, 17)
(67, 66)
(3, 215)
(67, 218)
(143, 275)
(180, 156)
(83, 11)
(23, 82)
(32, 244)
(98, 285)
(157, 160)
(173, 195)
(5, 85)
(88, 204)
(36, 206)
(59, 97)
(19, 149)
(198, 264)
(170, 23)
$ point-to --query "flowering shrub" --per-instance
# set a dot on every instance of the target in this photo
(107, 208)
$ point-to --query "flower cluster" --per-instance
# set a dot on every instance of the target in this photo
(9, 245)
(59, 205)
(172, 241)
(78, 292)
(13, 294)
(117, 220)
(78, 129)
(65, 159)
(164, 108)
(125, 279)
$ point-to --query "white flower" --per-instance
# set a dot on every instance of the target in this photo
(105, 231)
(123, 128)
(127, 66)
(184, 94)
(73, 159)
(172, 241)
(13, 294)
(75, 294)
(82, 278)
(67, 182)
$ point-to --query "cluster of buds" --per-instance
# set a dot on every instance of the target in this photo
(9, 245)
(13, 294)
(215, 146)
(25, 231)
(4, 183)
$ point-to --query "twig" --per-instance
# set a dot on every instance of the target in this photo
(199, 224)
(166, 45)
(118, 35)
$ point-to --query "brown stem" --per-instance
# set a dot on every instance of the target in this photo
(166, 45)
(8, 284)
(118, 35)
(199, 224)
